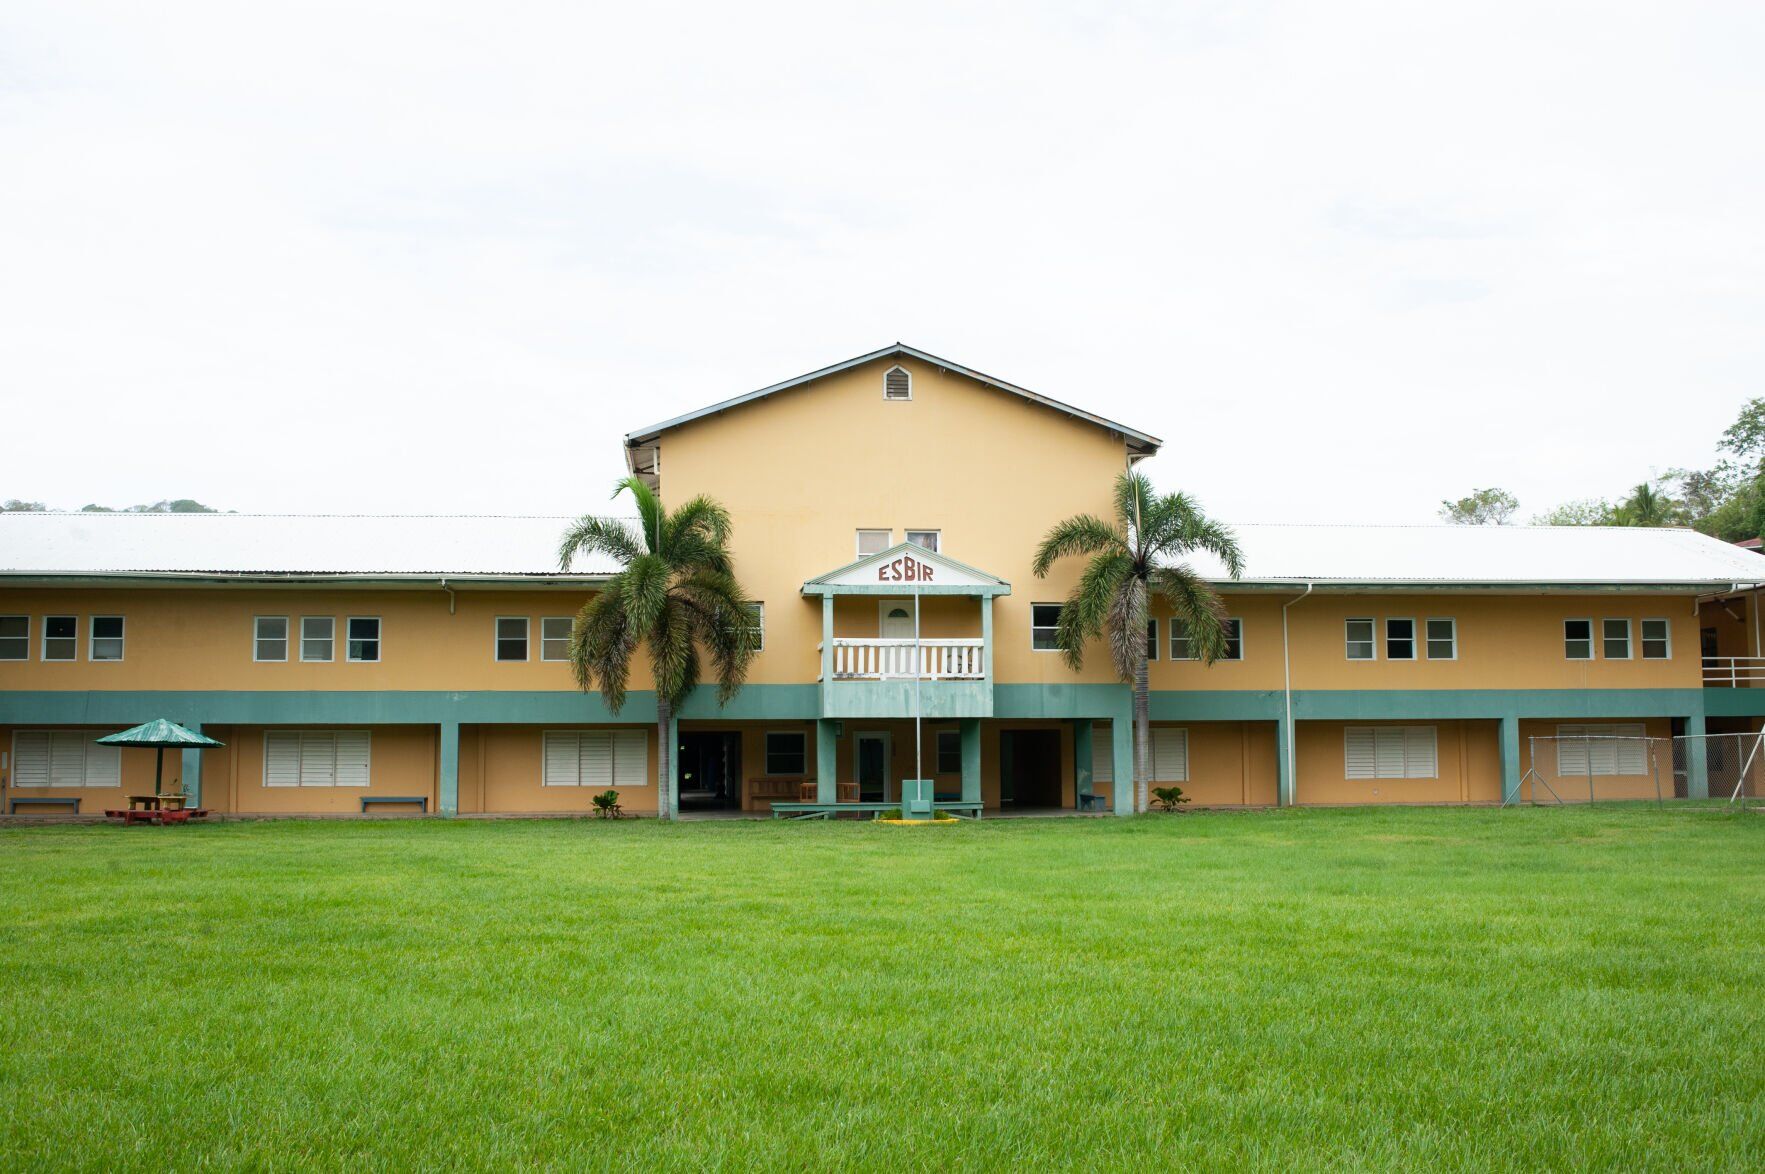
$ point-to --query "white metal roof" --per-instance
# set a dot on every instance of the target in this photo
(353, 545)
(428, 547)
(1476, 556)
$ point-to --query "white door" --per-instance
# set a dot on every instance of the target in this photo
(895, 619)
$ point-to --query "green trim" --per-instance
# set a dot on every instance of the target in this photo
(448, 768)
(827, 761)
(1734, 702)
(1439, 704)
(1081, 758)
(971, 759)
(1697, 759)
(1510, 759)
(895, 698)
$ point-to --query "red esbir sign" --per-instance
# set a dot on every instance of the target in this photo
(905, 569)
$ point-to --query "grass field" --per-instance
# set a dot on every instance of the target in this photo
(1364, 987)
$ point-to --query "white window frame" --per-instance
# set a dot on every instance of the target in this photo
(759, 625)
(330, 640)
(379, 640)
(27, 640)
(1151, 639)
(1034, 627)
(1233, 624)
(302, 735)
(43, 644)
(1629, 644)
(938, 752)
(766, 754)
(897, 399)
(614, 736)
(1592, 639)
(569, 623)
(1372, 640)
(1452, 626)
(92, 638)
(1403, 734)
(256, 639)
(83, 738)
(858, 540)
(497, 637)
(1414, 651)
(1666, 637)
(936, 535)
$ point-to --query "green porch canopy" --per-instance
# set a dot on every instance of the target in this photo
(161, 735)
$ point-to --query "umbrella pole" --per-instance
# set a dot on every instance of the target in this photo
(158, 767)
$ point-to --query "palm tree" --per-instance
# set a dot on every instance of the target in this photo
(1132, 559)
(1646, 507)
(675, 595)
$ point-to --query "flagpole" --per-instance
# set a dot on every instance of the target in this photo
(918, 675)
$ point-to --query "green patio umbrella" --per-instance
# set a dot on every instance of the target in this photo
(161, 735)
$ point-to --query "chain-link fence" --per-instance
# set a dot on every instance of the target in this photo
(1605, 768)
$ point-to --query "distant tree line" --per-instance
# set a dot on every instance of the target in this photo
(1726, 500)
(182, 505)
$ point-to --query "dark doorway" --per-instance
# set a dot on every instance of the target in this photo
(1029, 768)
(709, 771)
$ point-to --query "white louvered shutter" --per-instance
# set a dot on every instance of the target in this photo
(67, 760)
(1388, 752)
(1572, 758)
(282, 758)
(104, 766)
(1421, 758)
(597, 760)
(318, 759)
(561, 760)
(1102, 757)
(30, 763)
(631, 758)
(1170, 755)
(1360, 758)
(354, 749)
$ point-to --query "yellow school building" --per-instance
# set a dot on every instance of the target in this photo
(380, 664)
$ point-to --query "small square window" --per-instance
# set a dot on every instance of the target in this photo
(15, 637)
(874, 541)
(785, 753)
(270, 638)
(318, 638)
(1657, 640)
(1400, 639)
(949, 752)
(1443, 640)
(1045, 626)
(925, 538)
(1183, 648)
(1615, 639)
(1151, 639)
(61, 637)
(1358, 639)
(554, 637)
(511, 638)
(107, 638)
(1578, 639)
(363, 644)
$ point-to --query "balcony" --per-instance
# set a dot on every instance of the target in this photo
(1734, 672)
(858, 659)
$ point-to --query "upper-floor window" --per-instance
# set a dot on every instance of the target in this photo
(1657, 640)
(61, 637)
(1358, 635)
(897, 383)
(1443, 639)
(107, 638)
(511, 637)
(318, 638)
(1400, 639)
(363, 642)
(554, 637)
(757, 626)
(785, 752)
(926, 538)
(1183, 648)
(949, 752)
(874, 541)
(269, 638)
(1151, 639)
(1578, 639)
(1044, 626)
(15, 637)
(1615, 639)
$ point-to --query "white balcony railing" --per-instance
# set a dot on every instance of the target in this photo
(1734, 672)
(857, 659)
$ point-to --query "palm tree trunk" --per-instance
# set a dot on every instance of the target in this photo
(665, 808)
(1142, 732)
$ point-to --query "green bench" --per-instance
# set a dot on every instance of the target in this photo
(72, 802)
(421, 801)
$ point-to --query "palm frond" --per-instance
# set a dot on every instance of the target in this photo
(1133, 498)
(1196, 606)
(722, 616)
(591, 535)
(650, 514)
(1080, 535)
(1183, 528)
(1087, 609)
(1126, 627)
(673, 659)
(703, 518)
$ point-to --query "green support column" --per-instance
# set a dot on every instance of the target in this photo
(827, 760)
(971, 759)
(1697, 758)
(987, 641)
(192, 771)
(449, 783)
(1285, 790)
(1081, 760)
(1510, 759)
(826, 641)
(672, 794)
(1121, 729)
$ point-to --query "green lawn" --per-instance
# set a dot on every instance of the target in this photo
(1397, 987)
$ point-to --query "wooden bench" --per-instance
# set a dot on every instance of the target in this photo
(421, 801)
(71, 802)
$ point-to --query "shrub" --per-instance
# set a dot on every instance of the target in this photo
(606, 805)
(1167, 798)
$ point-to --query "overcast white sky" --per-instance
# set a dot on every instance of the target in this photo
(1347, 259)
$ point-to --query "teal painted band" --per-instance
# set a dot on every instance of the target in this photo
(1734, 702)
(932, 699)
(1436, 704)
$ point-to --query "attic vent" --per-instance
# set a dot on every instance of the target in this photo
(897, 384)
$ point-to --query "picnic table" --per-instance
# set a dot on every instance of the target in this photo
(155, 812)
